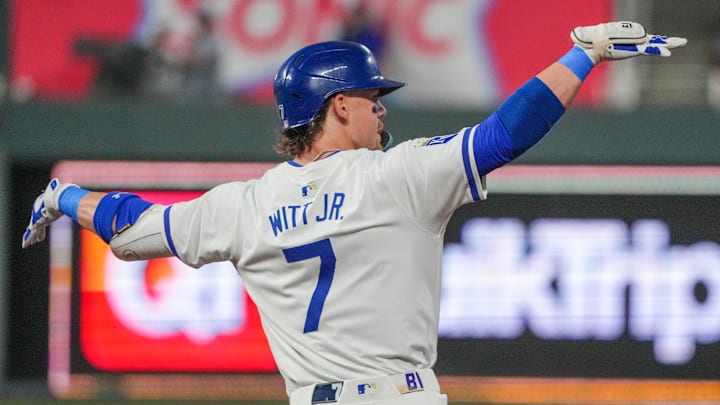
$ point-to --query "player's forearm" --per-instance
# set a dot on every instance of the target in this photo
(102, 213)
(108, 214)
(530, 112)
(86, 210)
(562, 82)
(565, 77)
(518, 124)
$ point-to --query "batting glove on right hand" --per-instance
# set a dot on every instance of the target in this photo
(622, 40)
(45, 211)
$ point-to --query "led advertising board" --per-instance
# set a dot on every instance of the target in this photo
(625, 286)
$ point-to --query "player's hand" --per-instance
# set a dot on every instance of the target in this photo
(45, 210)
(622, 40)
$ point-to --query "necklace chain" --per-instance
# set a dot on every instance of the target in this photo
(319, 155)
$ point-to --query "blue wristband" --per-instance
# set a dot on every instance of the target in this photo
(578, 62)
(69, 201)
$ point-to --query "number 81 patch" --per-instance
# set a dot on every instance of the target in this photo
(413, 383)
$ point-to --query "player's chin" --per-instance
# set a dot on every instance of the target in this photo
(377, 144)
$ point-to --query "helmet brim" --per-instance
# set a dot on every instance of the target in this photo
(389, 86)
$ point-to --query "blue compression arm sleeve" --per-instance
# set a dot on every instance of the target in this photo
(529, 114)
(125, 208)
(517, 125)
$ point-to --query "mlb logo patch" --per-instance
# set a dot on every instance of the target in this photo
(440, 140)
(308, 190)
(366, 388)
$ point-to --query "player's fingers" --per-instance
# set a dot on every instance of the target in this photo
(623, 51)
(676, 42)
(656, 51)
(33, 234)
(667, 42)
(27, 237)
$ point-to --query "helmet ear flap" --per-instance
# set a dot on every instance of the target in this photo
(316, 72)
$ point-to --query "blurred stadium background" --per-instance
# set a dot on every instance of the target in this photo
(103, 85)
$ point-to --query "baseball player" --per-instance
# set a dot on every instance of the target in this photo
(340, 246)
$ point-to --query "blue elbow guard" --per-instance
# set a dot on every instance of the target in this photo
(124, 208)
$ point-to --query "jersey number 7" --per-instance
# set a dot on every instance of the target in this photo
(322, 249)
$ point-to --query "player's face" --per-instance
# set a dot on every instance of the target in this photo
(366, 118)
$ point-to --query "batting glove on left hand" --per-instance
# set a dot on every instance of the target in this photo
(622, 40)
(45, 211)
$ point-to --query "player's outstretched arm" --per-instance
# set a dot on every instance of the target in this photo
(136, 223)
(525, 117)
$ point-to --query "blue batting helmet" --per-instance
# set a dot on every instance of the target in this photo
(318, 71)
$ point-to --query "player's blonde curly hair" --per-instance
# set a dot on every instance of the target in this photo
(294, 141)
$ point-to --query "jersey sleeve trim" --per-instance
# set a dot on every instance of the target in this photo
(168, 235)
(476, 181)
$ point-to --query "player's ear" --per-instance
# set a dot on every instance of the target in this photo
(339, 105)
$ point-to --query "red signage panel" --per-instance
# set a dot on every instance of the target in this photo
(162, 315)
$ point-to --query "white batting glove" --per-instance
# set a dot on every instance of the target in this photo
(45, 211)
(622, 40)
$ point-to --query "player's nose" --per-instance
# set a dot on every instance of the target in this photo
(379, 109)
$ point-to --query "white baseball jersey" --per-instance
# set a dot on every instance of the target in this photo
(341, 256)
